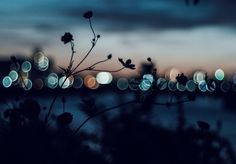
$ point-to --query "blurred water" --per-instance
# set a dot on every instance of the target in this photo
(204, 108)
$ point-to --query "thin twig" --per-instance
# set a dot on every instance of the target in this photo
(52, 103)
(117, 107)
(97, 70)
(90, 50)
(72, 54)
(94, 42)
(90, 24)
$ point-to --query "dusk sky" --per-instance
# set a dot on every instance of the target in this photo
(168, 31)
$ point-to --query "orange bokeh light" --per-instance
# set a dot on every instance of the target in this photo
(90, 82)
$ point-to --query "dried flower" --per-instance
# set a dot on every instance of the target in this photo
(67, 37)
(127, 64)
(149, 59)
(88, 14)
(182, 79)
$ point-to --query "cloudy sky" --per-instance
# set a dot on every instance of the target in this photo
(173, 34)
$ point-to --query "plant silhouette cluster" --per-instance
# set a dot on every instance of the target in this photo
(126, 138)
(129, 137)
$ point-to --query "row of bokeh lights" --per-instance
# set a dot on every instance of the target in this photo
(52, 81)
(19, 74)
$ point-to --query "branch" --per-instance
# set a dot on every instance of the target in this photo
(97, 70)
(94, 42)
(72, 55)
(117, 107)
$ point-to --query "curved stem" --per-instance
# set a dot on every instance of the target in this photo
(102, 61)
(52, 104)
(116, 107)
(100, 70)
(99, 113)
(97, 70)
(90, 50)
(72, 54)
(90, 24)
(95, 39)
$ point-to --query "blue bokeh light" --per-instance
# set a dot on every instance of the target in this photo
(13, 75)
(26, 66)
(6, 82)
(122, 84)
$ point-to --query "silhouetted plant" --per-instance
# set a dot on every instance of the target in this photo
(182, 79)
(71, 70)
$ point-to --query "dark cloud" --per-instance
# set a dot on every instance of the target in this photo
(126, 16)
(117, 15)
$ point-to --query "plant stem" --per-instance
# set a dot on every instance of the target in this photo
(90, 50)
(99, 113)
(97, 70)
(94, 42)
(72, 54)
(52, 104)
(117, 107)
(90, 24)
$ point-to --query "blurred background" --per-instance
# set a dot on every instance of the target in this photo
(172, 33)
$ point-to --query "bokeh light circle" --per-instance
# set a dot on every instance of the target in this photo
(64, 82)
(6, 82)
(219, 74)
(13, 75)
(26, 66)
(134, 84)
(38, 84)
(43, 64)
(225, 86)
(199, 76)
(172, 86)
(27, 84)
(78, 82)
(161, 83)
(180, 87)
(211, 86)
(52, 80)
(148, 77)
(146, 82)
(122, 84)
(191, 86)
(202, 86)
(172, 74)
(104, 77)
(90, 82)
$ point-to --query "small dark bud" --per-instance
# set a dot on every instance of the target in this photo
(109, 56)
(149, 59)
(98, 36)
